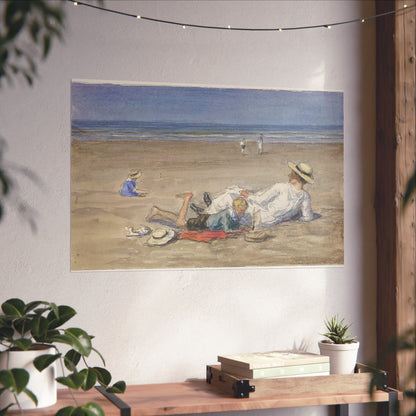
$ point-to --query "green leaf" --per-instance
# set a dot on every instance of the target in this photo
(22, 343)
(7, 379)
(4, 411)
(4, 54)
(34, 30)
(93, 409)
(119, 387)
(13, 307)
(17, 51)
(32, 64)
(54, 309)
(78, 339)
(59, 315)
(90, 379)
(28, 78)
(98, 353)
(39, 328)
(71, 360)
(33, 305)
(88, 409)
(44, 361)
(22, 325)
(6, 332)
(31, 396)
(6, 183)
(14, 380)
(65, 411)
(16, 9)
(51, 334)
(103, 376)
(15, 28)
(46, 45)
(73, 381)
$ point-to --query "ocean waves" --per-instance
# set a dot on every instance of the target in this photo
(133, 130)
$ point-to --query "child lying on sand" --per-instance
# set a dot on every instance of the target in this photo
(227, 220)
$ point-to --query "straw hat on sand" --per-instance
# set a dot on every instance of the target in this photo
(160, 237)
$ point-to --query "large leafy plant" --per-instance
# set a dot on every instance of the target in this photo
(22, 326)
(337, 331)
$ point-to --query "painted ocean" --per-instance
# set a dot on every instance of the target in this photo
(199, 132)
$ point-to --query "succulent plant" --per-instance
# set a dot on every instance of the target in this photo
(337, 331)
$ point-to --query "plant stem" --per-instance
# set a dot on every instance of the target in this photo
(18, 403)
(63, 373)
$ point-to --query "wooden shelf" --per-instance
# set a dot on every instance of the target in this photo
(197, 396)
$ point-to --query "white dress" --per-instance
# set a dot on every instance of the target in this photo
(278, 203)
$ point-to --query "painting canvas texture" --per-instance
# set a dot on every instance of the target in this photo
(174, 177)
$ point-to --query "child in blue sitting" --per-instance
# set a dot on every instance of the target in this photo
(129, 185)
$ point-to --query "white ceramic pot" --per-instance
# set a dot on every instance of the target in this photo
(342, 357)
(42, 384)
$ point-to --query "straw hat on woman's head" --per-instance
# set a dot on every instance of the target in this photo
(303, 170)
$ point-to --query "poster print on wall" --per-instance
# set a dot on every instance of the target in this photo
(145, 159)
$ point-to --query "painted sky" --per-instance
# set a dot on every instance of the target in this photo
(205, 105)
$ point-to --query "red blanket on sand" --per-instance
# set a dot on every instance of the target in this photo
(205, 235)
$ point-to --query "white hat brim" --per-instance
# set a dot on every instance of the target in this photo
(170, 235)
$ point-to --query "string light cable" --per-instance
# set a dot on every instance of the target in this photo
(245, 29)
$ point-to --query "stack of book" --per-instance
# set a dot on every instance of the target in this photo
(275, 364)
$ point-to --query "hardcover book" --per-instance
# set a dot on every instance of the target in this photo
(282, 371)
(272, 359)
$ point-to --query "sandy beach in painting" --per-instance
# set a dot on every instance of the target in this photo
(99, 215)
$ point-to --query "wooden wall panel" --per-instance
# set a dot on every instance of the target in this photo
(395, 163)
(385, 186)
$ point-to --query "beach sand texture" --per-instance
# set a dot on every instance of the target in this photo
(99, 214)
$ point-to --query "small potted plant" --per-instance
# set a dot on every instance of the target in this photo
(341, 347)
(30, 337)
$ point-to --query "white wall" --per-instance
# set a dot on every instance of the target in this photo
(165, 326)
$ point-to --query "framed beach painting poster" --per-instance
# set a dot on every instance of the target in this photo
(182, 176)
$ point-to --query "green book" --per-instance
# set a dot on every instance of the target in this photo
(274, 372)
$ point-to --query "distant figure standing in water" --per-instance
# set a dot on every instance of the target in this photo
(243, 144)
(129, 185)
(260, 141)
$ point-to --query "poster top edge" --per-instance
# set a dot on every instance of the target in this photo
(191, 85)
